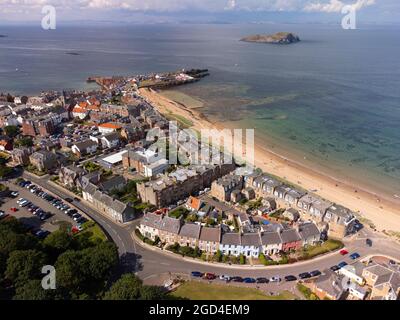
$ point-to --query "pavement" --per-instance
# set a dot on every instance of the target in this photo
(150, 263)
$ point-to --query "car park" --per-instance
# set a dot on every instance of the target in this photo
(290, 278)
(304, 275)
(355, 256)
(315, 273)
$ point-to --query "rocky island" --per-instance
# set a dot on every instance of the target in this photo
(277, 38)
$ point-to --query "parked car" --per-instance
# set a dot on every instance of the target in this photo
(334, 268)
(275, 279)
(13, 209)
(368, 242)
(342, 264)
(209, 276)
(44, 216)
(69, 200)
(354, 256)
(225, 278)
(262, 280)
(41, 234)
(315, 273)
(14, 194)
(304, 275)
(3, 214)
(343, 252)
(81, 220)
(249, 280)
(237, 279)
(197, 274)
(290, 278)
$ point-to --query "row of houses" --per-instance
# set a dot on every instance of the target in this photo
(337, 219)
(269, 241)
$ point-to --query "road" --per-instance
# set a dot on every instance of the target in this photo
(149, 262)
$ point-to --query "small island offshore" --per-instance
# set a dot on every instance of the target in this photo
(277, 38)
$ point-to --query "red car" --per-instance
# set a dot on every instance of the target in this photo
(210, 276)
(14, 209)
(343, 252)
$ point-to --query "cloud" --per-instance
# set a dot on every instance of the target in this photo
(336, 5)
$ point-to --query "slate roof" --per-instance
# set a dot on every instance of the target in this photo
(271, 237)
(290, 235)
(231, 238)
(190, 230)
(210, 234)
(307, 230)
(251, 239)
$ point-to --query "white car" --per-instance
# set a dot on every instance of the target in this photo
(275, 279)
(224, 277)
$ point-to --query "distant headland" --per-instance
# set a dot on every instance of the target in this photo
(277, 38)
(3, 36)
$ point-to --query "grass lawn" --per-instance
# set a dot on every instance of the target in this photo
(194, 290)
(93, 232)
(327, 246)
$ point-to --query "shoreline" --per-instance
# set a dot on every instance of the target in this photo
(384, 213)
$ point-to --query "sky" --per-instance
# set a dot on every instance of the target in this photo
(200, 11)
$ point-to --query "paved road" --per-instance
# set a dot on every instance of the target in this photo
(149, 263)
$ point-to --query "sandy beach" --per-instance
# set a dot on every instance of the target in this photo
(380, 209)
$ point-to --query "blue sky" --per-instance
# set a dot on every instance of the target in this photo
(139, 11)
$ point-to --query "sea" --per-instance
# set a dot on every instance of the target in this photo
(330, 102)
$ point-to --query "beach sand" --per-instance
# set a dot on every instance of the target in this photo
(380, 209)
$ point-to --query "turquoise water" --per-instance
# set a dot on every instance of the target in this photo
(332, 100)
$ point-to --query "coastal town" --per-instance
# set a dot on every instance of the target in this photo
(92, 149)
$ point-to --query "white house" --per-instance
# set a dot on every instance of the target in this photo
(110, 140)
(84, 147)
(250, 245)
(271, 243)
(230, 244)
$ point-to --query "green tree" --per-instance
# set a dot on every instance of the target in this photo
(152, 293)
(57, 242)
(70, 271)
(218, 256)
(11, 241)
(24, 142)
(32, 290)
(25, 265)
(128, 287)
(99, 260)
(242, 259)
(5, 171)
(11, 131)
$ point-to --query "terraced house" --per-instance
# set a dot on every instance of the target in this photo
(270, 241)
